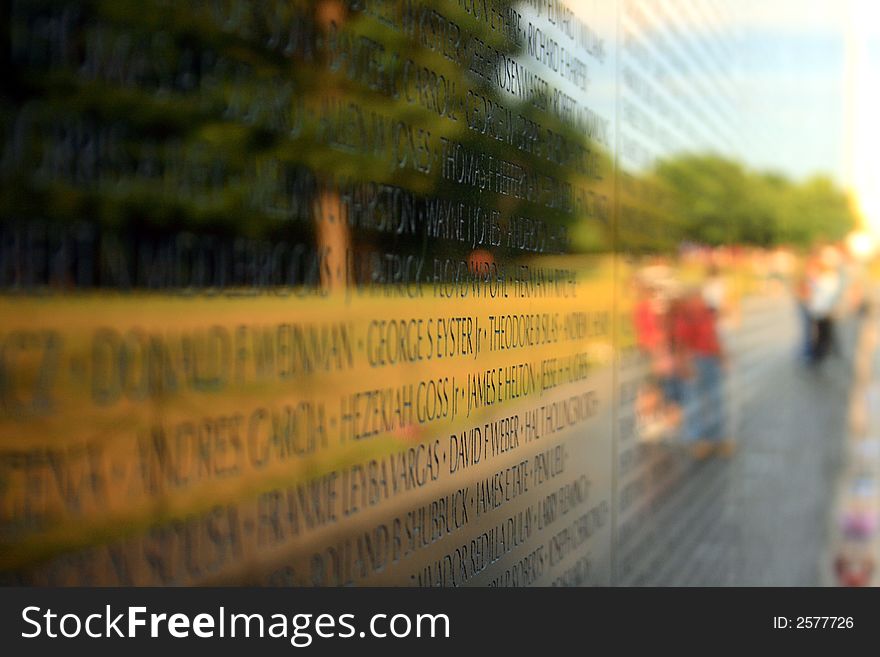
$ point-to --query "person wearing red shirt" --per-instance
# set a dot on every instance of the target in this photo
(696, 333)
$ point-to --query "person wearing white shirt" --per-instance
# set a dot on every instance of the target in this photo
(824, 295)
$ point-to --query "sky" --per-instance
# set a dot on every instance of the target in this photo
(807, 80)
(810, 74)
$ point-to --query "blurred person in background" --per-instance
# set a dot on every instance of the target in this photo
(825, 291)
(696, 331)
(647, 324)
(802, 291)
(661, 394)
(677, 367)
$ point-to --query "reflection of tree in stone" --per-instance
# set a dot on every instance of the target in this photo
(267, 140)
(719, 201)
(252, 126)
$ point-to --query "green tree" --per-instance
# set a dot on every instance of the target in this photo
(717, 200)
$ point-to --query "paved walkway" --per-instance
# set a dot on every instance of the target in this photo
(762, 517)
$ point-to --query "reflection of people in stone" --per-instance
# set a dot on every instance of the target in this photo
(696, 331)
(648, 326)
(675, 377)
(825, 291)
(661, 395)
(802, 295)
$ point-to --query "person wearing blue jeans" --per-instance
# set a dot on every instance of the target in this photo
(709, 394)
(705, 422)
